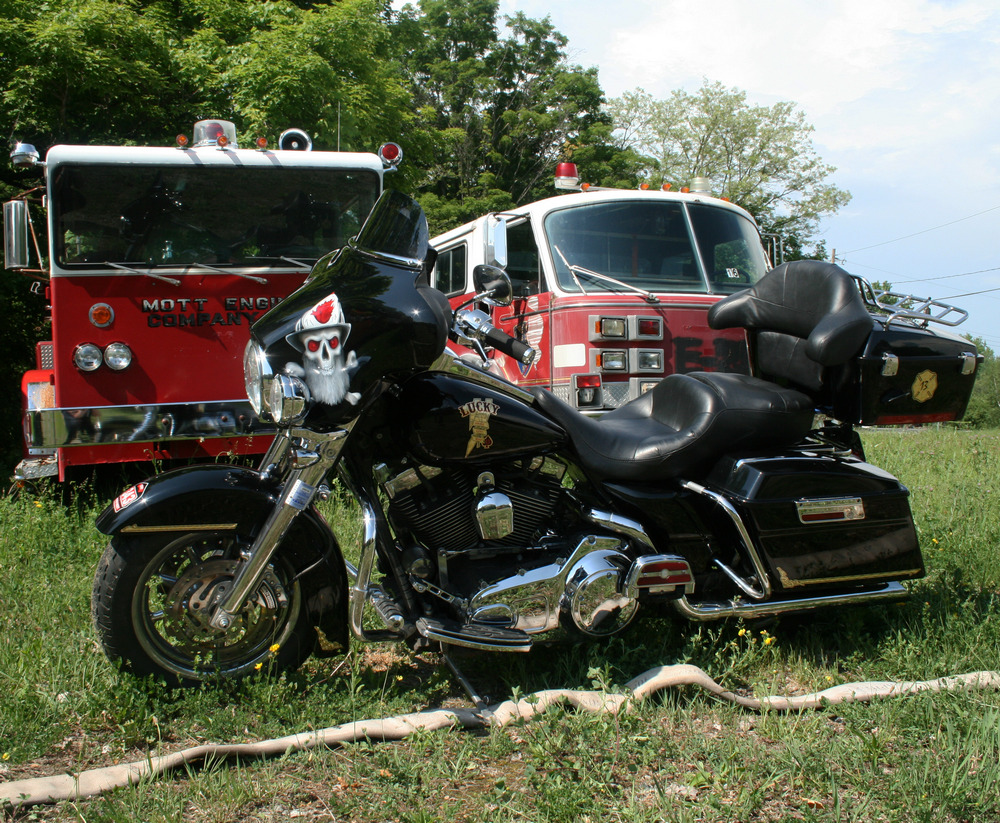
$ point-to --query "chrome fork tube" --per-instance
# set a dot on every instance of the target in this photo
(313, 458)
(362, 577)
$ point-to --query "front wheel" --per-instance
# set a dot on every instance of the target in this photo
(152, 602)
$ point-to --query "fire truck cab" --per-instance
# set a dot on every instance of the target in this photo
(612, 287)
(158, 261)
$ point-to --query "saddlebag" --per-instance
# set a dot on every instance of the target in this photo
(822, 522)
(906, 374)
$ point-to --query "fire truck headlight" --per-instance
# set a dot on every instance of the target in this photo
(256, 373)
(87, 357)
(612, 360)
(288, 399)
(118, 356)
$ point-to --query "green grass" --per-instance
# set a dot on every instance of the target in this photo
(680, 756)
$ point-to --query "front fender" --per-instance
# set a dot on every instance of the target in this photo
(216, 497)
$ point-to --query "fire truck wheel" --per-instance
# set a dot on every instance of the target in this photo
(150, 609)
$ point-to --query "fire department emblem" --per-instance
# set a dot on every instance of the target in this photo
(479, 411)
(320, 335)
(129, 496)
(924, 386)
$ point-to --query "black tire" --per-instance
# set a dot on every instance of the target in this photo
(145, 601)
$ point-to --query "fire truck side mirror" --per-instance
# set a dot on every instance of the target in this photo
(15, 235)
(495, 240)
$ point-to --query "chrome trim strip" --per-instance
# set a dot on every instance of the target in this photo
(183, 527)
(789, 583)
(717, 610)
(56, 428)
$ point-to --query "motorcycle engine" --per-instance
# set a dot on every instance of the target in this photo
(496, 548)
(480, 512)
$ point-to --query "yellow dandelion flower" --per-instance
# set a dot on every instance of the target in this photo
(274, 648)
(742, 632)
(258, 666)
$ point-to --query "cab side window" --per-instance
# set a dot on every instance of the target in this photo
(449, 271)
(522, 259)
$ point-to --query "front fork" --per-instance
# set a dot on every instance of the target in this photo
(308, 456)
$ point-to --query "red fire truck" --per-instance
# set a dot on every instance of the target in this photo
(612, 286)
(158, 261)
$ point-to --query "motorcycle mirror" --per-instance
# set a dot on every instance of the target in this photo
(495, 241)
(492, 285)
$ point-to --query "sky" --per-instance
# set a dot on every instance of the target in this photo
(904, 97)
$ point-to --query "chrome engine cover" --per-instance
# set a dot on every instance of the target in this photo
(588, 589)
(597, 599)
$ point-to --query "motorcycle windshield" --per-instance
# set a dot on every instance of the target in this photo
(395, 228)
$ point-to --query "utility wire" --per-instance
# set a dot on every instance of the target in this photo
(923, 231)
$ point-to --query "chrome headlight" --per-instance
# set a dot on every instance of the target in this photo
(87, 357)
(118, 356)
(257, 376)
(288, 399)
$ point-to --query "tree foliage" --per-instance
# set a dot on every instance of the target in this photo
(761, 157)
(497, 107)
(984, 405)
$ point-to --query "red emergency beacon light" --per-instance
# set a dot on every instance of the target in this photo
(391, 155)
(567, 177)
(221, 133)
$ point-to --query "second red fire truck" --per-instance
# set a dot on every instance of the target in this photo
(612, 286)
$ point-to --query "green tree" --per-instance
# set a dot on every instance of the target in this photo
(496, 108)
(984, 405)
(761, 157)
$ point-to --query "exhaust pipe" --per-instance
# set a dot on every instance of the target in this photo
(704, 612)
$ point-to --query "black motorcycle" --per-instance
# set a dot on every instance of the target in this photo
(494, 517)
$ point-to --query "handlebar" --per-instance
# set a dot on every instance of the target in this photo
(511, 346)
(475, 327)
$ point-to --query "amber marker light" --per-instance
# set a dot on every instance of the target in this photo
(101, 315)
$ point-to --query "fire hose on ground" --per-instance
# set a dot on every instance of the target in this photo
(52, 789)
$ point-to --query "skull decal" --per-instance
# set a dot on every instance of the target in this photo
(320, 335)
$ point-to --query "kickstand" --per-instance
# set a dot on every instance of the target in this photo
(463, 681)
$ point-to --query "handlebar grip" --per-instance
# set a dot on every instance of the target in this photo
(512, 347)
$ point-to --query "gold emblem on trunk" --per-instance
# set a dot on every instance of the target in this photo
(924, 386)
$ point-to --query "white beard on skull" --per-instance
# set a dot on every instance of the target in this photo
(327, 385)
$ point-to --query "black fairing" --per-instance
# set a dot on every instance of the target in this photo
(374, 298)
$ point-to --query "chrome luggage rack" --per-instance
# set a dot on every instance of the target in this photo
(919, 311)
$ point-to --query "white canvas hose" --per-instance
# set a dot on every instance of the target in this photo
(95, 781)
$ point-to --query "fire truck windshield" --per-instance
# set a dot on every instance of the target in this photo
(220, 216)
(648, 246)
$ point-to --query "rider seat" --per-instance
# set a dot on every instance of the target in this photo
(802, 319)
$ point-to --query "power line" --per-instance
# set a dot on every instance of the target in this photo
(923, 231)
